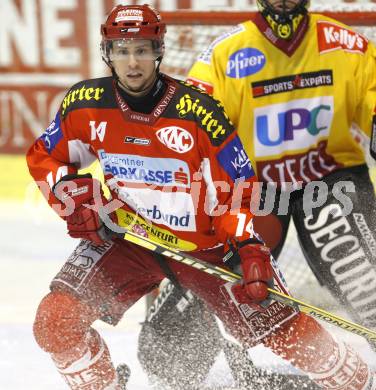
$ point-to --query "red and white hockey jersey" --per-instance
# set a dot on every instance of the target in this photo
(175, 169)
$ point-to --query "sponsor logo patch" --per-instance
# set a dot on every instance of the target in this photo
(80, 263)
(137, 141)
(214, 124)
(148, 170)
(332, 37)
(75, 192)
(235, 161)
(173, 209)
(245, 62)
(53, 134)
(146, 229)
(293, 82)
(259, 323)
(366, 232)
(129, 15)
(175, 138)
(342, 258)
(298, 124)
(297, 168)
(81, 94)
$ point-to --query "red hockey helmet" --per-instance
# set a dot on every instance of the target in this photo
(133, 22)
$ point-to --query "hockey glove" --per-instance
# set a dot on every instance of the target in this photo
(82, 197)
(257, 272)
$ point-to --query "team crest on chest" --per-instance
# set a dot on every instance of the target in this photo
(176, 138)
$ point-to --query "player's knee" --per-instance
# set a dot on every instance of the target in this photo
(61, 322)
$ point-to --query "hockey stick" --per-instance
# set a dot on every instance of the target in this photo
(229, 276)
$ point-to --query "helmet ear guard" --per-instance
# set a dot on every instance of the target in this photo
(283, 20)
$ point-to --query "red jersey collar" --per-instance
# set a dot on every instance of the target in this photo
(287, 46)
(147, 119)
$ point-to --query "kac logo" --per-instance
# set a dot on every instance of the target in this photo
(245, 62)
(176, 139)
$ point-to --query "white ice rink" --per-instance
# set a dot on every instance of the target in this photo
(33, 247)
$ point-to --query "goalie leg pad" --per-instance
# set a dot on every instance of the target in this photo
(179, 341)
(340, 247)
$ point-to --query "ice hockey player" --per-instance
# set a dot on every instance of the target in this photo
(293, 83)
(177, 173)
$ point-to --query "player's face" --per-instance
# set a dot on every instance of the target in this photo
(134, 63)
(280, 5)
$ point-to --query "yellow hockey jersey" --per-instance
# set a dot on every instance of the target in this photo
(294, 103)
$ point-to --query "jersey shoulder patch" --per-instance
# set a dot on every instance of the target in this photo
(90, 93)
(333, 35)
(206, 55)
(196, 104)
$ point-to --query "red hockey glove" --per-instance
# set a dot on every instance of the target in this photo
(82, 197)
(257, 275)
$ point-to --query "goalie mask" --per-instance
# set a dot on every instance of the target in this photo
(283, 16)
(126, 23)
